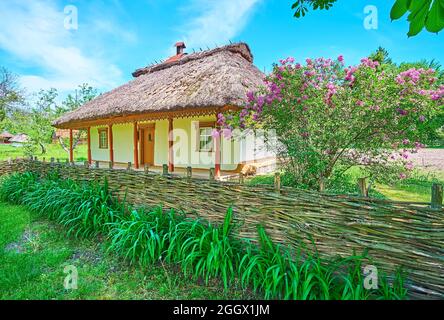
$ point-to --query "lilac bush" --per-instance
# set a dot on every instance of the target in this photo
(329, 118)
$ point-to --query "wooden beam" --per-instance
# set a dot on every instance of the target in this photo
(218, 155)
(170, 145)
(136, 146)
(88, 134)
(111, 145)
(71, 152)
(148, 116)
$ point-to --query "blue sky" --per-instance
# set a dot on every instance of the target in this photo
(114, 37)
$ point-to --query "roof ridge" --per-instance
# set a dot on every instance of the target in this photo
(240, 48)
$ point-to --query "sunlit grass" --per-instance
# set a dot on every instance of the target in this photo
(36, 272)
(53, 151)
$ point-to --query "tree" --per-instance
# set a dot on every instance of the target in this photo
(10, 92)
(38, 124)
(82, 95)
(435, 132)
(328, 118)
(382, 56)
(422, 13)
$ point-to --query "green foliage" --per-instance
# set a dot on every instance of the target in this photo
(35, 251)
(201, 249)
(10, 93)
(36, 120)
(301, 6)
(422, 13)
(327, 118)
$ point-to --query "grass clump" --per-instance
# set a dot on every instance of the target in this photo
(203, 250)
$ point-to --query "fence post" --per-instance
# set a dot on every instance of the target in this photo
(86, 164)
(111, 165)
(277, 182)
(437, 196)
(129, 166)
(212, 170)
(97, 164)
(146, 168)
(362, 185)
(189, 173)
(241, 178)
(165, 169)
(321, 184)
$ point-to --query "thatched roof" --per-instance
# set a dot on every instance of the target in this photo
(19, 138)
(6, 135)
(210, 79)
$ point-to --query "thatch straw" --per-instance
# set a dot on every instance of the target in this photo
(215, 78)
(396, 234)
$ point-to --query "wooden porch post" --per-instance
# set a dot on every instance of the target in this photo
(136, 147)
(170, 145)
(88, 134)
(71, 153)
(218, 155)
(111, 147)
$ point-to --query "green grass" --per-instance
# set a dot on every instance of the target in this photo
(53, 151)
(34, 252)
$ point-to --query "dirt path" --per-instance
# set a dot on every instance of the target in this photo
(430, 159)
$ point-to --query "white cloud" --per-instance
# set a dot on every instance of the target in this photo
(34, 34)
(217, 21)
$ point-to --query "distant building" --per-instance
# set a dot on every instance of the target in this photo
(19, 140)
(5, 136)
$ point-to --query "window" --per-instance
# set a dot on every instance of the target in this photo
(206, 139)
(103, 138)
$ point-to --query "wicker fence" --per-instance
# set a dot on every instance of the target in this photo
(396, 234)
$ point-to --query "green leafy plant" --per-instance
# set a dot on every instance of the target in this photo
(146, 236)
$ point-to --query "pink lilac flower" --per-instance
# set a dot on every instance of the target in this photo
(215, 133)
(227, 133)
(402, 176)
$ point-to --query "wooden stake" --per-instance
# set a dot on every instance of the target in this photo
(189, 173)
(437, 196)
(277, 182)
(71, 152)
(362, 185)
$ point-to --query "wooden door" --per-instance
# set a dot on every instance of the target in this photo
(148, 146)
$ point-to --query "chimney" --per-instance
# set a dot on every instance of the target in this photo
(180, 46)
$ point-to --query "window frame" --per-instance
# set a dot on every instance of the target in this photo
(201, 126)
(106, 144)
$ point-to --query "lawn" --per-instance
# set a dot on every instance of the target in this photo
(35, 251)
(53, 151)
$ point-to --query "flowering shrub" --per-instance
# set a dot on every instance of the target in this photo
(329, 117)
